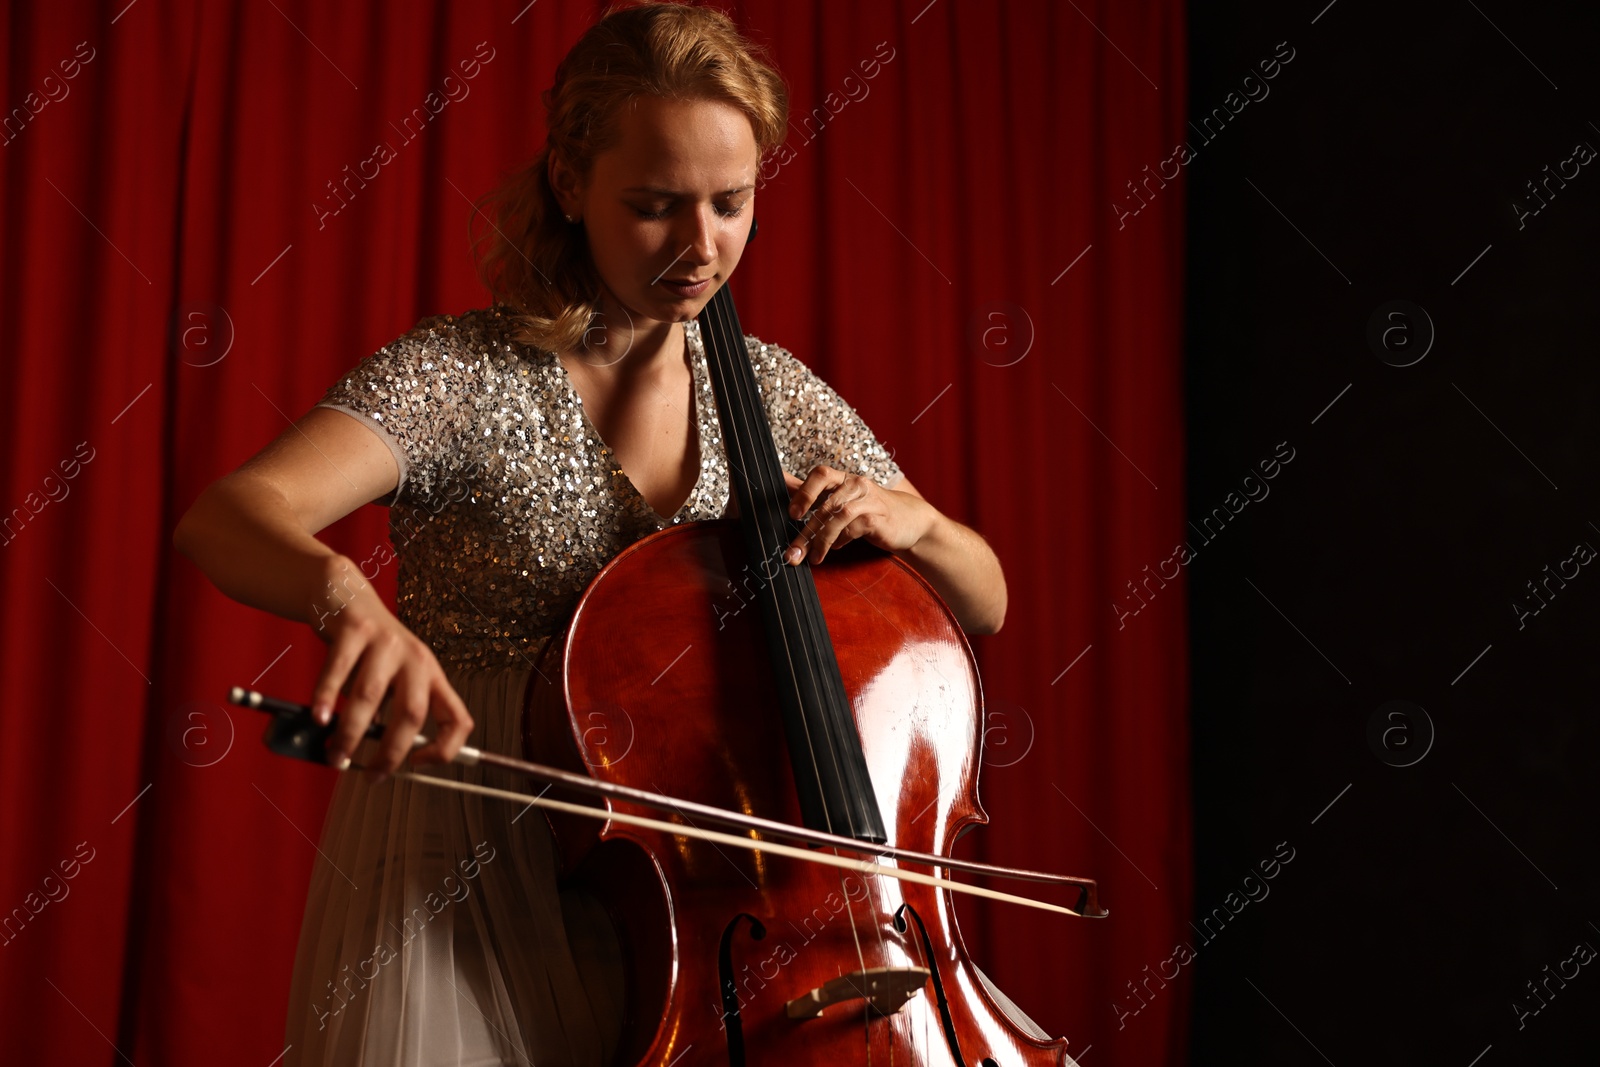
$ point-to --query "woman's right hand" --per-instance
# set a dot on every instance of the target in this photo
(372, 655)
(253, 533)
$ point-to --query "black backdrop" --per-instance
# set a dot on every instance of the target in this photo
(1442, 859)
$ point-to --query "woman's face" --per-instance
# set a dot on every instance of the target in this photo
(670, 202)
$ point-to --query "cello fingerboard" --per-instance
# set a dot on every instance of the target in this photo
(830, 769)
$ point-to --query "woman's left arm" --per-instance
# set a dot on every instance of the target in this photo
(954, 559)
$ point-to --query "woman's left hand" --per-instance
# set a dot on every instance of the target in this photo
(851, 507)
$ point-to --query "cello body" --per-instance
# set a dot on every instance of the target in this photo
(661, 681)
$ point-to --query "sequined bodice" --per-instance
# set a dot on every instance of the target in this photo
(510, 502)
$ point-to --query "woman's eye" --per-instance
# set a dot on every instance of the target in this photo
(725, 211)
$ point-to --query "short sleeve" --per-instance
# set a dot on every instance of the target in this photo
(409, 393)
(811, 423)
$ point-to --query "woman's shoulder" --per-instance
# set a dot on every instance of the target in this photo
(449, 355)
(485, 331)
(772, 361)
(430, 374)
(813, 424)
(781, 375)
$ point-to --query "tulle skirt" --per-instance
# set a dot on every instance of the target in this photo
(434, 932)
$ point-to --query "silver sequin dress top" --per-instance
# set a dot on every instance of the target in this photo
(509, 502)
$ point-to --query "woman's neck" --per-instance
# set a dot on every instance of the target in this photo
(635, 348)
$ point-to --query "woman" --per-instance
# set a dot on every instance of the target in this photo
(519, 448)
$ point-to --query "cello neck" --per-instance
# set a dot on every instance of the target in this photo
(830, 768)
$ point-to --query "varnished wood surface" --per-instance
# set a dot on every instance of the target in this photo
(661, 682)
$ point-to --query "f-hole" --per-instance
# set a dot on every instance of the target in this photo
(730, 989)
(938, 985)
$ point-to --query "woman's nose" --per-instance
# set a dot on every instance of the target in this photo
(700, 237)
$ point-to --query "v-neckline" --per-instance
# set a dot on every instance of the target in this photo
(693, 353)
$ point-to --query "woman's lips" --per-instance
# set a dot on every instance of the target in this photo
(685, 289)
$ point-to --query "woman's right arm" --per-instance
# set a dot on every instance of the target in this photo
(253, 534)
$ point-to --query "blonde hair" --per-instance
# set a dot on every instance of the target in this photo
(530, 257)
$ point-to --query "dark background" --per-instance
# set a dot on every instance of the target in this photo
(1389, 552)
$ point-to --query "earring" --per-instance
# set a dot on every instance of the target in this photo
(571, 219)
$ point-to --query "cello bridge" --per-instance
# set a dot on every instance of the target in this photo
(885, 989)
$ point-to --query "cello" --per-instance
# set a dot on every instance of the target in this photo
(742, 949)
(748, 958)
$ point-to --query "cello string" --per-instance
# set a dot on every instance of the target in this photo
(861, 961)
(757, 475)
(791, 599)
(742, 431)
(710, 311)
(796, 595)
(788, 591)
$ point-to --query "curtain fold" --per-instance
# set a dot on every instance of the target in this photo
(203, 230)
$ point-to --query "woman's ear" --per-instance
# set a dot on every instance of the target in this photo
(564, 184)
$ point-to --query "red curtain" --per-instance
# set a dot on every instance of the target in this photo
(952, 243)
